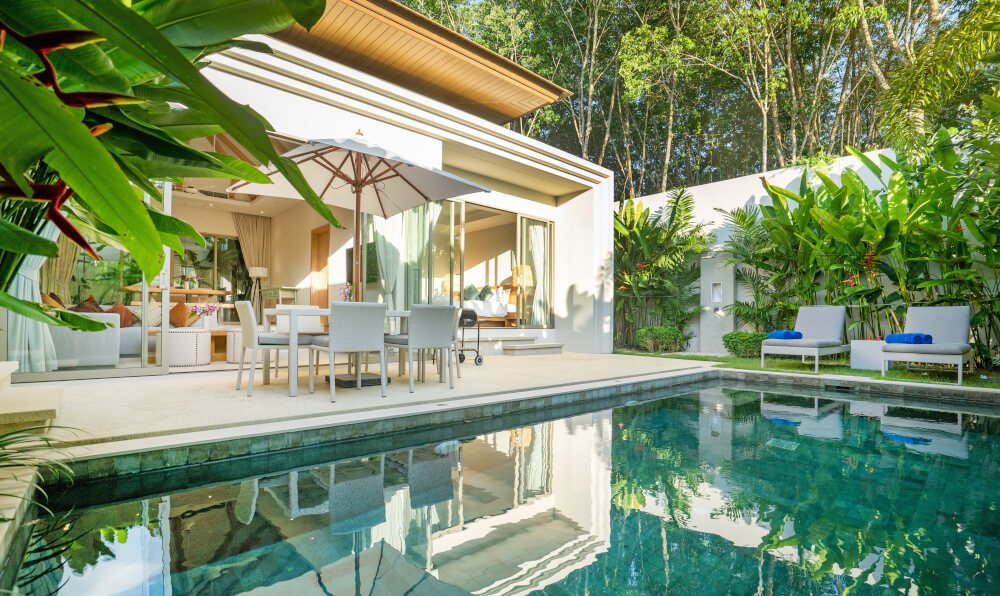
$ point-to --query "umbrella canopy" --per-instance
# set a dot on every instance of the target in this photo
(355, 174)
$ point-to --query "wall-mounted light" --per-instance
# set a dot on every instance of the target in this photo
(717, 297)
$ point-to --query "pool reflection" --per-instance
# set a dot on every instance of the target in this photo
(720, 491)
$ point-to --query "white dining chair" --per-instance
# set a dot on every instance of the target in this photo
(355, 327)
(306, 325)
(255, 340)
(430, 327)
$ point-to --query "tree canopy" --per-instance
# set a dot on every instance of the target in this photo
(673, 93)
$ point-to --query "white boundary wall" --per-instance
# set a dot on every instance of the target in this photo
(713, 322)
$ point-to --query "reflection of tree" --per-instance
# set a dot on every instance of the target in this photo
(78, 541)
(830, 506)
(655, 451)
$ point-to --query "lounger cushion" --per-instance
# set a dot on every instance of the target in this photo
(946, 324)
(821, 323)
(280, 339)
(949, 348)
(803, 343)
(401, 339)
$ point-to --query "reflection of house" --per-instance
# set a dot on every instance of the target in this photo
(506, 513)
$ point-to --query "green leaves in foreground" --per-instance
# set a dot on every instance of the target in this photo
(132, 33)
(37, 126)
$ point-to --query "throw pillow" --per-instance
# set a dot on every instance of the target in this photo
(127, 319)
(470, 293)
(485, 293)
(48, 300)
(180, 315)
(88, 305)
(153, 313)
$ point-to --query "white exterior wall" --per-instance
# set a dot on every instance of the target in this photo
(730, 194)
(309, 97)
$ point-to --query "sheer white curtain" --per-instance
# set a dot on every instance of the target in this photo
(388, 236)
(537, 258)
(29, 342)
(419, 254)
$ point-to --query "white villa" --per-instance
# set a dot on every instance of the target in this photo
(533, 256)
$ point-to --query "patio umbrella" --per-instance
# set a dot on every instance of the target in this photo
(355, 174)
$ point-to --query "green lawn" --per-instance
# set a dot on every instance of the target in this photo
(833, 366)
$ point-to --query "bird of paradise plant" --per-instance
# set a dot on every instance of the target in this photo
(99, 98)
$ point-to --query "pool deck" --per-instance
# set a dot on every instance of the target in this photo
(99, 416)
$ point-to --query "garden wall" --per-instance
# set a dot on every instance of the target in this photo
(718, 286)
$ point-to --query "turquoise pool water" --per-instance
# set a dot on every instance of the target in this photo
(717, 491)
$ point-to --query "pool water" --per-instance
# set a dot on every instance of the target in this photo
(717, 491)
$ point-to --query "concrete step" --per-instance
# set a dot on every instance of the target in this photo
(22, 408)
(491, 345)
(532, 349)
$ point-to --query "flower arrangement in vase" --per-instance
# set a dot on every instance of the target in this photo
(207, 312)
(345, 292)
(187, 281)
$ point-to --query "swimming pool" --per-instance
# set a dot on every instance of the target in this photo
(719, 490)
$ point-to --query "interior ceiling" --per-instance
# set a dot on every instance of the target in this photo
(388, 40)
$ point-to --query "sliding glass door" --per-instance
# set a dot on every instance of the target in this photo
(495, 262)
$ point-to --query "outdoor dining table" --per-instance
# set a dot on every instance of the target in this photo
(293, 339)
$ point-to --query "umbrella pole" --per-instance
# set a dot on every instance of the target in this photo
(357, 245)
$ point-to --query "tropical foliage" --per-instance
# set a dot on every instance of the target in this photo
(98, 99)
(656, 270)
(930, 234)
(27, 459)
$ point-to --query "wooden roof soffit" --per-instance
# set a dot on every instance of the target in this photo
(389, 41)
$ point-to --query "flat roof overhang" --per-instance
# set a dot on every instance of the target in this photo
(472, 147)
(392, 42)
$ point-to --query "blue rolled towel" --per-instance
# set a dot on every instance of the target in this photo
(784, 334)
(908, 338)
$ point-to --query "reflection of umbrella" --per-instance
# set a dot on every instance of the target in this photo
(355, 174)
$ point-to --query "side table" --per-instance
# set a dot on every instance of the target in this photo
(866, 354)
(189, 347)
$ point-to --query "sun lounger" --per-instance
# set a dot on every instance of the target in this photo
(948, 327)
(822, 328)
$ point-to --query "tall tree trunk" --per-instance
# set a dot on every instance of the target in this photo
(870, 50)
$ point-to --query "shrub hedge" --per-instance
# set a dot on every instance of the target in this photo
(744, 344)
(661, 339)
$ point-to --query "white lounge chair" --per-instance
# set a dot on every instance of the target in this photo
(948, 327)
(822, 329)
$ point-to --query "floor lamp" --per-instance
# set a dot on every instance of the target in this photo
(256, 296)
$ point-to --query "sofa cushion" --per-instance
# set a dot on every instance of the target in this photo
(180, 315)
(127, 318)
(52, 300)
(88, 305)
(802, 343)
(945, 349)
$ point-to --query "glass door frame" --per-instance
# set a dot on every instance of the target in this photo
(145, 368)
(522, 320)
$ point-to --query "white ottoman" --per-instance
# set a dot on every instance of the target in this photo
(189, 347)
(234, 342)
